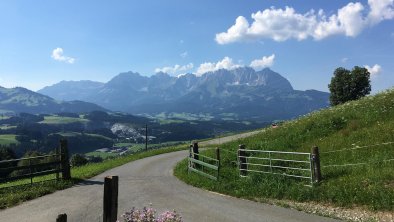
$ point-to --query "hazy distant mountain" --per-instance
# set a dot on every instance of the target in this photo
(19, 99)
(71, 90)
(242, 93)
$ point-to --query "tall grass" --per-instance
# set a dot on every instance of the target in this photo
(348, 128)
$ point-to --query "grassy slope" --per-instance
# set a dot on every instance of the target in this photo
(62, 120)
(364, 122)
(8, 139)
(15, 192)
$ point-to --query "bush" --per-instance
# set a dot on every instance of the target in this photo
(78, 160)
(95, 159)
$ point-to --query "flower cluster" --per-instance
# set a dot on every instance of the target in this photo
(148, 214)
(169, 216)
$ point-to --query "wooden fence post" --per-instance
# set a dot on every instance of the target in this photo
(58, 157)
(64, 159)
(195, 150)
(190, 164)
(242, 160)
(218, 158)
(218, 154)
(31, 172)
(110, 205)
(316, 164)
(61, 218)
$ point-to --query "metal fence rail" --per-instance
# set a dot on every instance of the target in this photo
(289, 164)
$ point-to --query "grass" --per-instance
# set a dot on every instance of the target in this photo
(367, 121)
(8, 139)
(72, 134)
(62, 120)
(6, 127)
(16, 192)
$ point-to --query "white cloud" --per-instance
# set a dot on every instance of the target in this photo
(57, 54)
(374, 70)
(284, 24)
(175, 69)
(344, 60)
(225, 63)
(266, 61)
(184, 54)
(380, 10)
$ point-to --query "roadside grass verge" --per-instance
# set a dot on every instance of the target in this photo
(16, 192)
(348, 127)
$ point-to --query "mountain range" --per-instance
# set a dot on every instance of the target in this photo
(242, 93)
(18, 99)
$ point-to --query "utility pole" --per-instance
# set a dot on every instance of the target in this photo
(146, 137)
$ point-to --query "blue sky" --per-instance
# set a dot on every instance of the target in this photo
(44, 42)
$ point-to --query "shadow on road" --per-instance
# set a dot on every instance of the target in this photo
(89, 182)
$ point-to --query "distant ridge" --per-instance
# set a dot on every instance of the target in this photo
(241, 93)
(18, 99)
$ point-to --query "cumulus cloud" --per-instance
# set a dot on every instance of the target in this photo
(176, 69)
(266, 61)
(225, 63)
(284, 24)
(374, 70)
(57, 54)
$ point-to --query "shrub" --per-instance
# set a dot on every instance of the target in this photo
(78, 160)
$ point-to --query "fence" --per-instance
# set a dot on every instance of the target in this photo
(344, 151)
(203, 165)
(289, 164)
(34, 167)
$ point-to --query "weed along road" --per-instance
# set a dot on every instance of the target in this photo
(149, 181)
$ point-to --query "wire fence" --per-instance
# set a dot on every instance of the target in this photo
(357, 147)
(361, 163)
(357, 164)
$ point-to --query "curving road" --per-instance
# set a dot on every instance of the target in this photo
(146, 181)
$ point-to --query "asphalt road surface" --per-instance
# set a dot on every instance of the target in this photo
(144, 182)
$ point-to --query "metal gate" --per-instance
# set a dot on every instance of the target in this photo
(289, 164)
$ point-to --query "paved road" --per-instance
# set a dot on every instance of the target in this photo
(226, 139)
(146, 181)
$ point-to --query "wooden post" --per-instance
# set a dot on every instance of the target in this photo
(190, 164)
(31, 172)
(218, 154)
(61, 218)
(196, 157)
(110, 205)
(146, 137)
(195, 150)
(316, 164)
(57, 165)
(218, 158)
(242, 160)
(64, 159)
